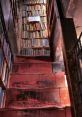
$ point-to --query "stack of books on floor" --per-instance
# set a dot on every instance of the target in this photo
(34, 37)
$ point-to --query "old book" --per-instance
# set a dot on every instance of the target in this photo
(34, 19)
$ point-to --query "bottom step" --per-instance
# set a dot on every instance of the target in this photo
(66, 112)
(33, 99)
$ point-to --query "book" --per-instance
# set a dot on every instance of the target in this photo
(46, 52)
(26, 43)
(25, 28)
(26, 52)
(45, 42)
(24, 13)
(34, 19)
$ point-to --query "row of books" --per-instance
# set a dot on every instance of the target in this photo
(42, 19)
(33, 13)
(40, 43)
(34, 43)
(29, 2)
(36, 34)
(35, 52)
(34, 7)
(34, 26)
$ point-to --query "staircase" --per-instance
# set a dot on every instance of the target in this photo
(35, 91)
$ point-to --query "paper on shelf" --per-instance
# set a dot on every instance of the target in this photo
(34, 19)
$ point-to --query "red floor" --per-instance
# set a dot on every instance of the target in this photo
(32, 85)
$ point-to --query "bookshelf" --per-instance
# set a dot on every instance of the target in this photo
(5, 57)
(34, 34)
(1, 97)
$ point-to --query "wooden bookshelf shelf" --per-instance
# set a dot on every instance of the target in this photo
(34, 38)
(5, 56)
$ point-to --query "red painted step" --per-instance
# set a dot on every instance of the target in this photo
(45, 85)
(22, 59)
(37, 80)
(32, 68)
(32, 81)
(66, 112)
(37, 98)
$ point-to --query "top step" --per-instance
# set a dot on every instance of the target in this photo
(22, 59)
